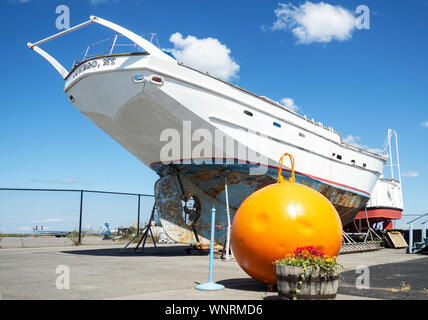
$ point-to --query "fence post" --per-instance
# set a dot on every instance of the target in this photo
(80, 218)
(138, 220)
(424, 231)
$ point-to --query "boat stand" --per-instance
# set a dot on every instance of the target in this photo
(347, 239)
(143, 239)
(370, 231)
(227, 252)
(349, 245)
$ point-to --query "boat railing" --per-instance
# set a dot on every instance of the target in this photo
(419, 217)
(319, 124)
(135, 38)
(114, 44)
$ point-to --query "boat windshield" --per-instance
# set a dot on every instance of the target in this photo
(116, 44)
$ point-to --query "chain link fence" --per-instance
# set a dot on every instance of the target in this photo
(32, 218)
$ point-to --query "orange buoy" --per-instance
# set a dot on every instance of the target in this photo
(279, 218)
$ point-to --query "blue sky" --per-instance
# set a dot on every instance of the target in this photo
(361, 82)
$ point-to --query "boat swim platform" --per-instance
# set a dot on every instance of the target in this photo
(167, 272)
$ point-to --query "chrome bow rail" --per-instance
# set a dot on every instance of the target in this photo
(136, 39)
(112, 45)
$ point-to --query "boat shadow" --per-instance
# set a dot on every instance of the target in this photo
(248, 284)
(245, 284)
(166, 251)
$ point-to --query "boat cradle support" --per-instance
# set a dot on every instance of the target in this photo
(184, 224)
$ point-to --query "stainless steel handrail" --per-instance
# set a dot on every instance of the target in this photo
(110, 49)
(417, 218)
(143, 43)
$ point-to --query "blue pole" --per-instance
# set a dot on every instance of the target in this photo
(210, 285)
(210, 277)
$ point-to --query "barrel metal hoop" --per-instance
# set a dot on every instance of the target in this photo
(293, 278)
(307, 296)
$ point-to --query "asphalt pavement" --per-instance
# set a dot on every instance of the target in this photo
(168, 272)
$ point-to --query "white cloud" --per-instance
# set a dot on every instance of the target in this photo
(424, 124)
(375, 150)
(315, 22)
(410, 174)
(51, 220)
(355, 141)
(289, 103)
(207, 54)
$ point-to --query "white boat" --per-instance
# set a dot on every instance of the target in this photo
(142, 98)
(386, 201)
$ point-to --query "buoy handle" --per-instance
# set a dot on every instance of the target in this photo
(280, 178)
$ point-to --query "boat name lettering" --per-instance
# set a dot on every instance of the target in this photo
(109, 61)
(88, 65)
(94, 65)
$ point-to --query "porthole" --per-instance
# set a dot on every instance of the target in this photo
(339, 157)
(138, 78)
(156, 80)
(248, 113)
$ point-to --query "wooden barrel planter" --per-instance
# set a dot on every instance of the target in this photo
(314, 285)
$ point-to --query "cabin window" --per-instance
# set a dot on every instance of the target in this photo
(276, 124)
(301, 135)
(334, 154)
(353, 161)
(248, 113)
(339, 157)
(364, 165)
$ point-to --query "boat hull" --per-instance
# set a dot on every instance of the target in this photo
(207, 183)
(384, 206)
(142, 115)
(374, 216)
